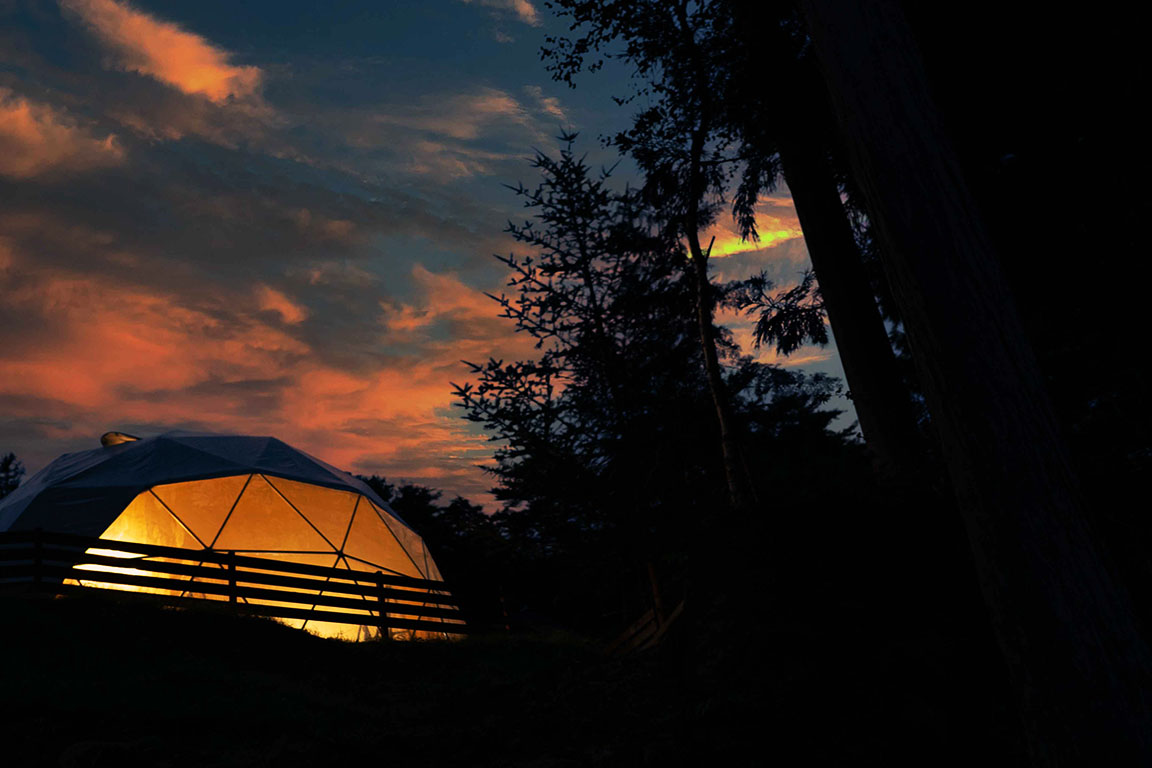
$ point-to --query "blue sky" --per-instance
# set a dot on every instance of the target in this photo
(279, 218)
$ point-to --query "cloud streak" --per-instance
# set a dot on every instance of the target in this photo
(37, 138)
(139, 42)
(464, 116)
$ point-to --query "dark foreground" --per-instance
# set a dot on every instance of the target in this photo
(109, 682)
(105, 682)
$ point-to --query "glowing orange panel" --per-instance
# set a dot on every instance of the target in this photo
(411, 543)
(371, 540)
(263, 520)
(326, 508)
(202, 505)
(145, 521)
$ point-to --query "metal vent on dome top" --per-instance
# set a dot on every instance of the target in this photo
(116, 438)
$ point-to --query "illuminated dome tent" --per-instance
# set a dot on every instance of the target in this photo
(249, 495)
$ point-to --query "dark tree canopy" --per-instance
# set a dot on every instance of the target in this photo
(11, 472)
(603, 461)
(734, 105)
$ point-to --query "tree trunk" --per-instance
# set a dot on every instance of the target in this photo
(1063, 622)
(879, 395)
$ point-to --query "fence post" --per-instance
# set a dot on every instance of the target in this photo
(382, 603)
(37, 558)
(231, 576)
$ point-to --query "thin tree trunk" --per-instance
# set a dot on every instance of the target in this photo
(1064, 624)
(735, 472)
(740, 490)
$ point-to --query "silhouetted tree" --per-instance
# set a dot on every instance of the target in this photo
(11, 472)
(715, 127)
(601, 465)
(1067, 630)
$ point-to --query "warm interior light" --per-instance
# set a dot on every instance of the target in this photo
(276, 519)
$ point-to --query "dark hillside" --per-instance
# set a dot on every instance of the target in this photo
(105, 681)
(108, 682)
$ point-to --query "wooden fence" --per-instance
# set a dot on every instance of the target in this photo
(64, 563)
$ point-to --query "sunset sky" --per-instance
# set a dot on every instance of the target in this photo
(279, 218)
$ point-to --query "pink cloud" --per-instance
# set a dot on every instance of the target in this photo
(159, 49)
(37, 138)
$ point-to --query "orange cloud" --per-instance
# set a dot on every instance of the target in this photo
(743, 327)
(110, 355)
(269, 299)
(441, 294)
(776, 223)
(522, 9)
(36, 138)
(162, 50)
(444, 302)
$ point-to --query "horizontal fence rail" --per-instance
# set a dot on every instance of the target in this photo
(64, 563)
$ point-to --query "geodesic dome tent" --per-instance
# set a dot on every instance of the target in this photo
(254, 496)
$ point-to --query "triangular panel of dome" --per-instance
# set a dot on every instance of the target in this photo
(146, 520)
(408, 539)
(328, 509)
(263, 520)
(202, 505)
(370, 540)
